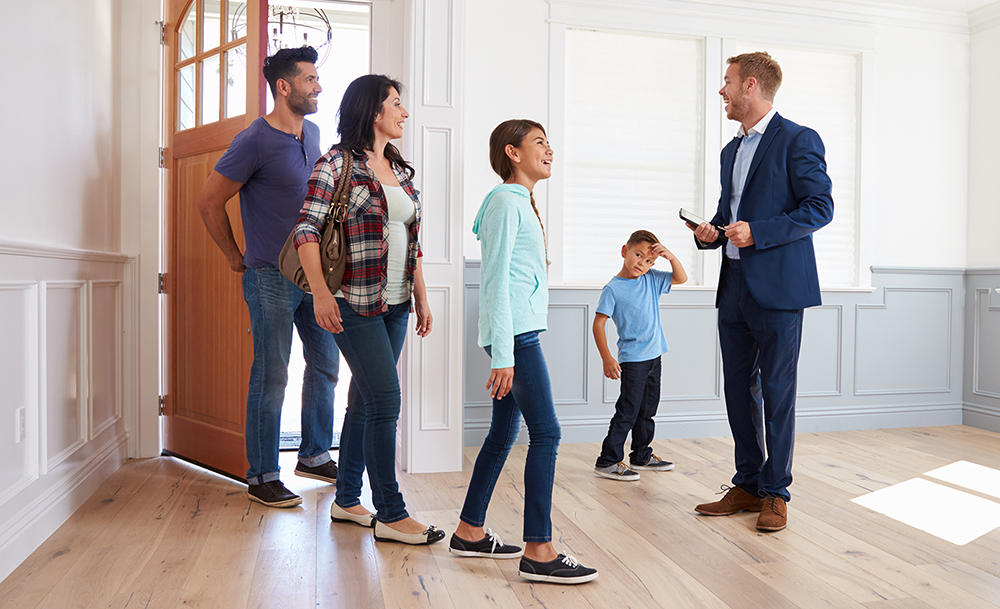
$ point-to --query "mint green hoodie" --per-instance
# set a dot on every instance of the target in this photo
(514, 296)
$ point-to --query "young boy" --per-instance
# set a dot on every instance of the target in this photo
(632, 299)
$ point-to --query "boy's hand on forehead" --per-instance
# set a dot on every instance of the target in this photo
(660, 250)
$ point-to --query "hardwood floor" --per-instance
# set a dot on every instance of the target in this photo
(162, 533)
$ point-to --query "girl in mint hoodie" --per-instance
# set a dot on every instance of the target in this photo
(512, 311)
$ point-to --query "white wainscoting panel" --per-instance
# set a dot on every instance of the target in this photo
(436, 239)
(61, 313)
(912, 329)
(18, 387)
(435, 380)
(432, 62)
(104, 397)
(438, 53)
(64, 415)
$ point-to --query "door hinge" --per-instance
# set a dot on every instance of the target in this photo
(162, 161)
(160, 280)
(161, 405)
(163, 32)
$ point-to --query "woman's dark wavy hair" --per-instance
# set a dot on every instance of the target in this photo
(361, 104)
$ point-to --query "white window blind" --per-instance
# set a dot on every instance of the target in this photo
(633, 147)
(820, 90)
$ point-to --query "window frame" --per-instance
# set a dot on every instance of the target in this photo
(720, 34)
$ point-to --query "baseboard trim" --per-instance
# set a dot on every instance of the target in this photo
(698, 425)
(36, 521)
(981, 417)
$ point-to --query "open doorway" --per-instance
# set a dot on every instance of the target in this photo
(341, 32)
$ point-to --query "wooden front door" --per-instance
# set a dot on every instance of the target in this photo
(213, 90)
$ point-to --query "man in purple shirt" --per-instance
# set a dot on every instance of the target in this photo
(269, 164)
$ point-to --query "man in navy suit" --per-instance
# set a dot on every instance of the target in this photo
(775, 194)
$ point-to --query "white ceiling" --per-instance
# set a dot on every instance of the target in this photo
(963, 6)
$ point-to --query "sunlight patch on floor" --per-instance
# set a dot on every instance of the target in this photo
(942, 511)
(979, 478)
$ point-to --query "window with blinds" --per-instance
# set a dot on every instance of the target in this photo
(820, 90)
(634, 147)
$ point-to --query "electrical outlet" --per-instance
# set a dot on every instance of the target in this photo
(20, 425)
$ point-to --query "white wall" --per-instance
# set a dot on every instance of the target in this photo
(78, 161)
(915, 213)
(916, 114)
(60, 153)
(984, 194)
(506, 76)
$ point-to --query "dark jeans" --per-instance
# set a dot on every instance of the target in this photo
(634, 411)
(760, 354)
(371, 346)
(275, 305)
(530, 395)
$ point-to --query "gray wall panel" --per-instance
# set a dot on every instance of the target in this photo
(982, 349)
(821, 355)
(903, 340)
(692, 369)
(986, 357)
(565, 346)
(904, 344)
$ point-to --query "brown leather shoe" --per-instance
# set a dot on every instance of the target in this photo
(735, 500)
(773, 515)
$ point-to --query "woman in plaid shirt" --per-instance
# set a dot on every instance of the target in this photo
(369, 314)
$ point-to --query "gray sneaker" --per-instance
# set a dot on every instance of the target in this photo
(618, 471)
(655, 464)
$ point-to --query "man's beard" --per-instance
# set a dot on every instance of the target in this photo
(301, 104)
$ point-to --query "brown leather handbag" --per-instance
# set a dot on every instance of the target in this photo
(333, 242)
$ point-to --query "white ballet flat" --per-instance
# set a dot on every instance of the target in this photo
(339, 514)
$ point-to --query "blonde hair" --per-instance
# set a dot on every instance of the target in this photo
(761, 66)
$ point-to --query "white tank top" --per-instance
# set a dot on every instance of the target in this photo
(402, 213)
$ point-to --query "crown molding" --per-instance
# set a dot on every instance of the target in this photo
(845, 11)
(984, 18)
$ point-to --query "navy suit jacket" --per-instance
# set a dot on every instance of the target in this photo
(786, 198)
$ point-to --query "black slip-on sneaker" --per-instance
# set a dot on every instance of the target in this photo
(563, 570)
(490, 546)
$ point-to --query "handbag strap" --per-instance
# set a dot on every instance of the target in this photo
(342, 193)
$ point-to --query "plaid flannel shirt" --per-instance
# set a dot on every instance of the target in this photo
(367, 228)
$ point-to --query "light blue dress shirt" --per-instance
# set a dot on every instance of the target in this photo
(744, 157)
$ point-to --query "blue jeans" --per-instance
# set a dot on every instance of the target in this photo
(275, 305)
(530, 395)
(634, 411)
(371, 346)
(760, 354)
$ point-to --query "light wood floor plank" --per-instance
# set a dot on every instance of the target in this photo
(801, 587)
(224, 570)
(162, 533)
(903, 603)
(126, 541)
(285, 574)
(35, 577)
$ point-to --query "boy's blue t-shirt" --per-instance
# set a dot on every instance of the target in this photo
(634, 306)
